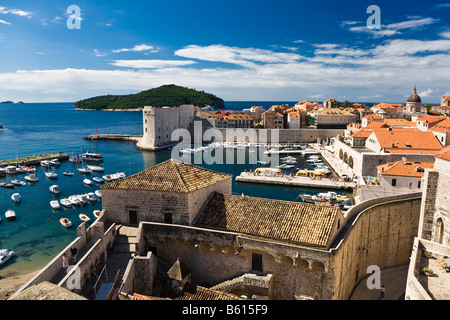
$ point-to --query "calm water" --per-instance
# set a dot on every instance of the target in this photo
(36, 128)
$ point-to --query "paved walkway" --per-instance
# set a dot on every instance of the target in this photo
(393, 279)
(339, 166)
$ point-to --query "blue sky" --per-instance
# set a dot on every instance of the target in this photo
(238, 50)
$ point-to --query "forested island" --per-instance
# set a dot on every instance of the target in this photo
(166, 95)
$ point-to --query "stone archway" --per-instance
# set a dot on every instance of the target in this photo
(345, 157)
(341, 154)
(350, 162)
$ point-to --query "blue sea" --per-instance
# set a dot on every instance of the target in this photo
(39, 128)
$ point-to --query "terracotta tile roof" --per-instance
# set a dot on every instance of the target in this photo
(407, 141)
(372, 116)
(431, 120)
(170, 176)
(385, 105)
(361, 133)
(376, 124)
(410, 169)
(195, 292)
(284, 221)
(399, 122)
(444, 154)
(442, 126)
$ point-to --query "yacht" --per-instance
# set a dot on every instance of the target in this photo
(55, 189)
(16, 197)
(11, 169)
(92, 157)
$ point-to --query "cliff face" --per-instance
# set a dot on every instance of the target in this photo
(167, 95)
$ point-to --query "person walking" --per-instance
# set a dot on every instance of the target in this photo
(65, 262)
(382, 291)
(74, 254)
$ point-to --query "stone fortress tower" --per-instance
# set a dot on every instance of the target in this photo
(414, 103)
(159, 123)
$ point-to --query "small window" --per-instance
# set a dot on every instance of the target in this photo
(257, 262)
(394, 182)
(419, 183)
(167, 217)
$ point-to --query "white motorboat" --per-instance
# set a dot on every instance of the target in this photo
(96, 168)
(45, 163)
(82, 198)
(119, 175)
(108, 177)
(65, 222)
(18, 182)
(87, 182)
(84, 217)
(285, 166)
(74, 200)
(69, 174)
(98, 179)
(98, 193)
(54, 162)
(31, 178)
(55, 189)
(84, 171)
(97, 213)
(5, 255)
(10, 215)
(55, 204)
(11, 169)
(51, 175)
(16, 197)
(91, 197)
(262, 162)
(65, 202)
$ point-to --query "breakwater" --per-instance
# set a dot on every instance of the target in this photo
(34, 159)
(115, 137)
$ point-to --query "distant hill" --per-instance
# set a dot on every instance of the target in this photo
(167, 95)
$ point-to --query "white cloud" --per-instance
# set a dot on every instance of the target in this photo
(393, 28)
(99, 54)
(426, 93)
(16, 12)
(4, 22)
(151, 64)
(137, 48)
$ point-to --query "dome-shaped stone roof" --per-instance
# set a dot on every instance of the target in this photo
(414, 97)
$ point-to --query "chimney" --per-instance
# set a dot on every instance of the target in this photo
(404, 160)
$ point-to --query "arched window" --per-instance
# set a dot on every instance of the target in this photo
(439, 231)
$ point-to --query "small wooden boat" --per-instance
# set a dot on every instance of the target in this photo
(84, 217)
(97, 213)
(65, 222)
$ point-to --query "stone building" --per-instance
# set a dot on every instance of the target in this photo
(331, 103)
(159, 123)
(433, 236)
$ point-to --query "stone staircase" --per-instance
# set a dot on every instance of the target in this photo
(126, 239)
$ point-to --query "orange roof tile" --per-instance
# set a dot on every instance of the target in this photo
(444, 154)
(376, 124)
(407, 141)
(372, 116)
(399, 122)
(441, 126)
(408, 169)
